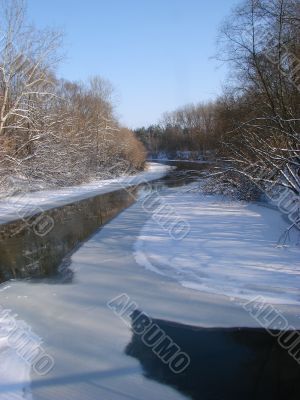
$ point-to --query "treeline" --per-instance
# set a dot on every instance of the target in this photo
(255, 125)
(189, 132)
(52, 131)
(195, 131)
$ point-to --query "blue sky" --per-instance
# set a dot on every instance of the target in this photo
(156, 53)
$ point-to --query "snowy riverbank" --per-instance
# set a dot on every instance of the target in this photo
(28, 204)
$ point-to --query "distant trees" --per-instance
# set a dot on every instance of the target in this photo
(53, 132)
(188, 132)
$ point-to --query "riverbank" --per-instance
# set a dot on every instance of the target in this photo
(14, 207)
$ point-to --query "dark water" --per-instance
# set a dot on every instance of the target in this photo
(26, 254)
(227, 364)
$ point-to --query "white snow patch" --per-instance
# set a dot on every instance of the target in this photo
(14, 369)
(231, 249)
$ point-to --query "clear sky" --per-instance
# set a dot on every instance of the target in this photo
(157, 53)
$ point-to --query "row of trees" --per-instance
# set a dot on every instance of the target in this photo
(52, 131)
(255, 125)
(188, 132)
(195, 130)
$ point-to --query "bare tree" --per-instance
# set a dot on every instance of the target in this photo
(26, 81)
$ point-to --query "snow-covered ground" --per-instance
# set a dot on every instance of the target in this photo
(231, 249)
(14, 207)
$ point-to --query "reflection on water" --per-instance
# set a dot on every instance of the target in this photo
(228, 364)
(25, 254)
(29, 255)
(184, 174)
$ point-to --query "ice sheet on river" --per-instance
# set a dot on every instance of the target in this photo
(231, 249)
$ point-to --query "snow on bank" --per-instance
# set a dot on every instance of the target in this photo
(231, 249)
(28, 204)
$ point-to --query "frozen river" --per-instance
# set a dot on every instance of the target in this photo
(97, 349)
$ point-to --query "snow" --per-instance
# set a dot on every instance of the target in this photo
(15, 370)
(231, 249)
(28, 204)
